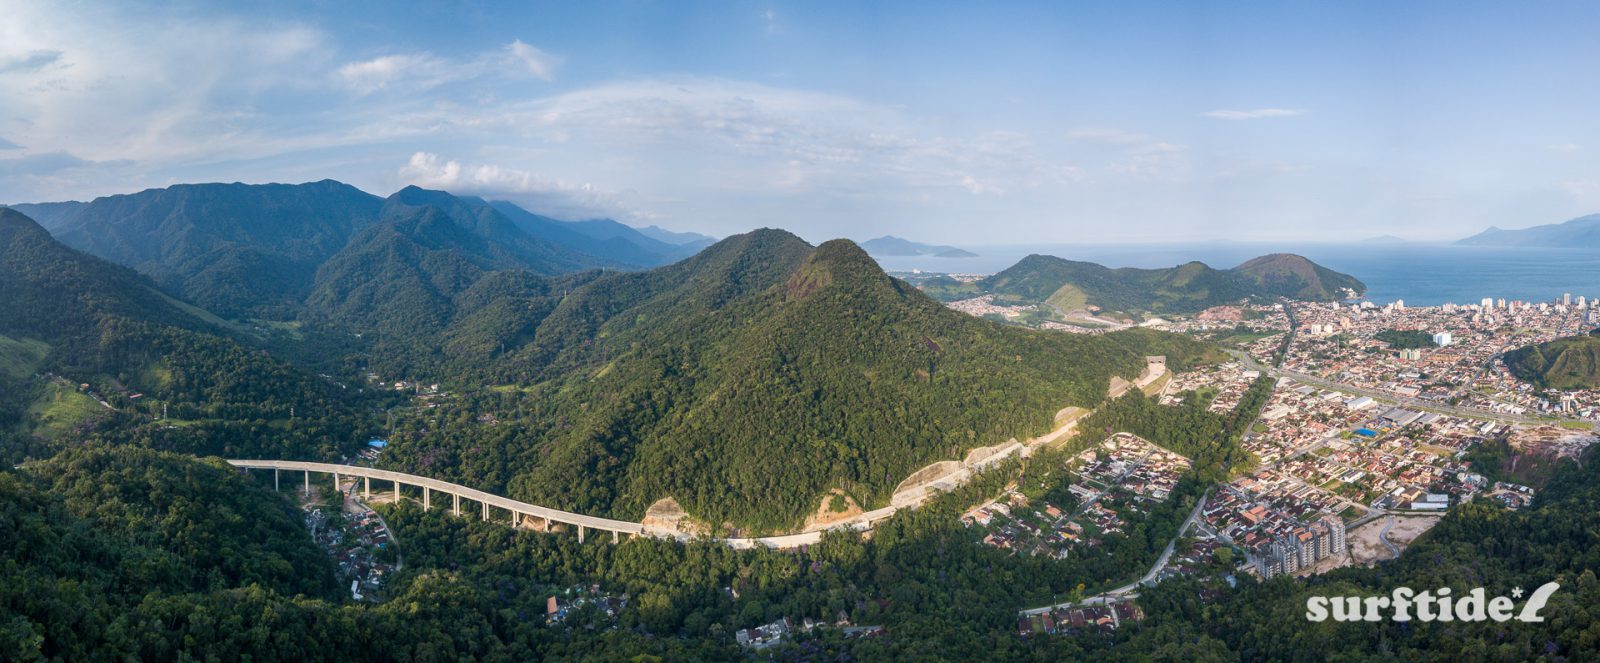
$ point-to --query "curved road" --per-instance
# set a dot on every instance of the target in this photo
(1384, 537)
(519, 509)
(1127, 591)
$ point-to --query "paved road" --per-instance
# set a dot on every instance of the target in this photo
(1384, 537)
(1127, 591)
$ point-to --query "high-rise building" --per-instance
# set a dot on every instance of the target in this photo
(1336, 533)
(1442, 339)
(1566, 298)
(1487, 303)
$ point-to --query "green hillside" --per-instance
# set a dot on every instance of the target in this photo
(86, 321)
(749, 380)
(1565, 363)
(236, 249)
(1068, 285)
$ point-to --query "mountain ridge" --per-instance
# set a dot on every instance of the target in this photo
(688, 380)
(889, 245)
(1583, 231)
(1068, 285)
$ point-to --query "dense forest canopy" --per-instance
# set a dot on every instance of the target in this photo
(1408, 339)
(111, 556)
(155, 369)
(694, 380)
(1565, 363)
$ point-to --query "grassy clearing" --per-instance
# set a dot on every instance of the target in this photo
(59, 409)
(195, 311)
(1068, 298)
(21, 357)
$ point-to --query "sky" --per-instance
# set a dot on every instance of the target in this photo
(952, 123)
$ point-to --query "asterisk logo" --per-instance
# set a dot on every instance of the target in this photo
(1516, 592)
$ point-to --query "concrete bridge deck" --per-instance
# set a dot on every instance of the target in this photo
(519, 509)
(457, 492)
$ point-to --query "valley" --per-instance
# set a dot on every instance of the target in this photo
(772, 399)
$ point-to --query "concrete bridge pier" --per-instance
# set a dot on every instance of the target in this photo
(366, 488)
(485, 512)
(427, 498)
(336, 482)
(458, 504)
(581, 530)
(275, 480)
(397, 493)
(615, 537)
(516, 519)
(308, 483)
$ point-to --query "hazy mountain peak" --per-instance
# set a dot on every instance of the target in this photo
(889, 245)
(1580, 232)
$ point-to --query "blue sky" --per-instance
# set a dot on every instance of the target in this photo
(949, 122)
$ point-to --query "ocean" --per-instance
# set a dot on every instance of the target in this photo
(1421, 274)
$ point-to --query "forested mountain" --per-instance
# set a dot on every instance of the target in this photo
(243, 250)
(401, 275)
(1071, 285)
(1582, 232)
(749, 380)
(234, 249)
(1564, 363)
(142, 354)
(1295, 277)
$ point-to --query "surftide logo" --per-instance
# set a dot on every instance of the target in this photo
(1405, 604)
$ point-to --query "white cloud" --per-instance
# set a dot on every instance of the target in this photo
(539, 63)
(372, 75)
(1132, 154)
(1255, 114)
(1565, 147)
(767, 135)
(1107, 137)
(424, 71)
(545, 195)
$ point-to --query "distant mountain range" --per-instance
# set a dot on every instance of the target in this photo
(1069, 285)
(1582, 232)
(690, 239)
(889, 245)
(260, 250)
